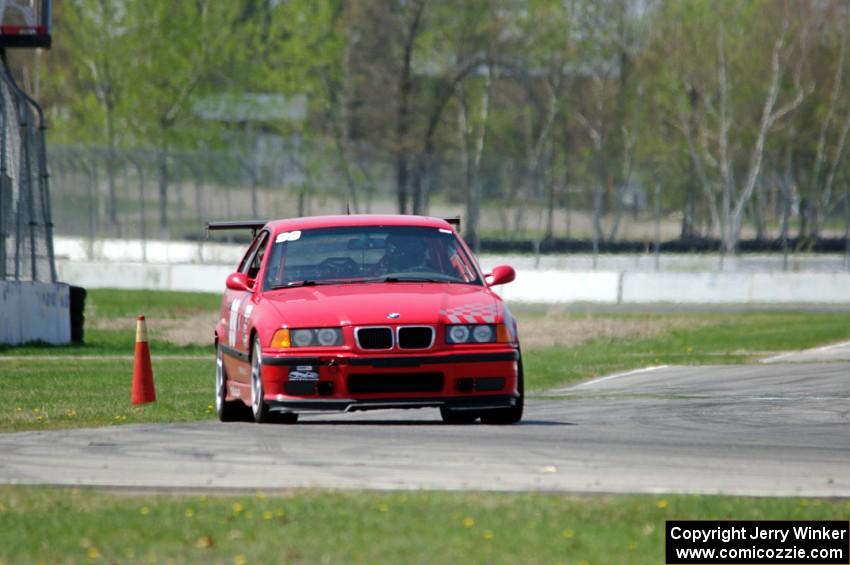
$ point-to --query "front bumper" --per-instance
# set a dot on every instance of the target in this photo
(484, 402)
(472, 380)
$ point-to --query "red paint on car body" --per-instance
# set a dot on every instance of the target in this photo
(347, 376)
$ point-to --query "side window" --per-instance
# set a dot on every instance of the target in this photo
(253, 260)
(246, 259)
(461, 267)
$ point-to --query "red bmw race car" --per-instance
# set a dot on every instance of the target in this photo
(361, 312)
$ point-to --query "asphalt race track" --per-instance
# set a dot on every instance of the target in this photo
(771, 429)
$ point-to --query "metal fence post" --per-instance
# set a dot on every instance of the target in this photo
(5, 189)
(786, 213)
(846, 228)
(90, 192)
(140, 170)
(27, 174)
(5, 213)
(30, 186)
(657, 245)
(597, 212)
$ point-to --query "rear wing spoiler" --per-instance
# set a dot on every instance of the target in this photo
(257, 225)
(454, 222)
(253, 225)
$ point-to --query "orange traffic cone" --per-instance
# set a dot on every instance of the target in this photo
(143, 390)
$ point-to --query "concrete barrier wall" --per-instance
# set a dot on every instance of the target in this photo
(735, 288)
(705, 288)
(135, 250)
(801, 287)
(542, 286)
(215, 253)
(34, 311)
(530, 286)
(562, 286)
(138, 276)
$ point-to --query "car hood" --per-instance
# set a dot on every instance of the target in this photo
(374, 303)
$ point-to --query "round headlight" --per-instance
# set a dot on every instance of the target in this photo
(302, 338)
(327, 336)
(482, 334)
(459, 334)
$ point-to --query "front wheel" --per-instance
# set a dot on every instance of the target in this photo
(259, 408)
(512, 415)
(228, 411)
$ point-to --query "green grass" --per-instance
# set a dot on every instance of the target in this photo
(112, 303)
(121, 307)
(50, 525)
(713, 339)
(45, 525)
(50, 394)
(63, 392)
(58, 392)
(119, 341)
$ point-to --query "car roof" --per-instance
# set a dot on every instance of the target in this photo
(313, 222)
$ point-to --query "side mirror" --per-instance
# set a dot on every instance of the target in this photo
(501, 274)
(238, 281)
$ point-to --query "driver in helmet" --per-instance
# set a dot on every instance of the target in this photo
(404, 253)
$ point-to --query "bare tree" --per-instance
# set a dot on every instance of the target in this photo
(421, 180)
(472, 136)
(823, 182)
(343, 123)
(732, 207)
(536, 142)
(405, 90)
(691, 124)
(713, 148)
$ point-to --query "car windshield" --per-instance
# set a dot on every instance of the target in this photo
(368, 254)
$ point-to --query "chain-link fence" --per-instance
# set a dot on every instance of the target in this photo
(166, 194)
(26, 239)
(170, 194)
(151, 193)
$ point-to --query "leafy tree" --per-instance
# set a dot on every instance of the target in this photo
(738, 109)
(88, 77)
(731, 63)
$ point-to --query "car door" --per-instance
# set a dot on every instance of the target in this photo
(239, 306)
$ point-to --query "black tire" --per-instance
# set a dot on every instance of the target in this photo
(259, 409)
(227, 410)
(285, 417)
(458, 417)
(512, 415)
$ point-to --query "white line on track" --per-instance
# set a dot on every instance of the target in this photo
(822, 349)
(620, 375)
